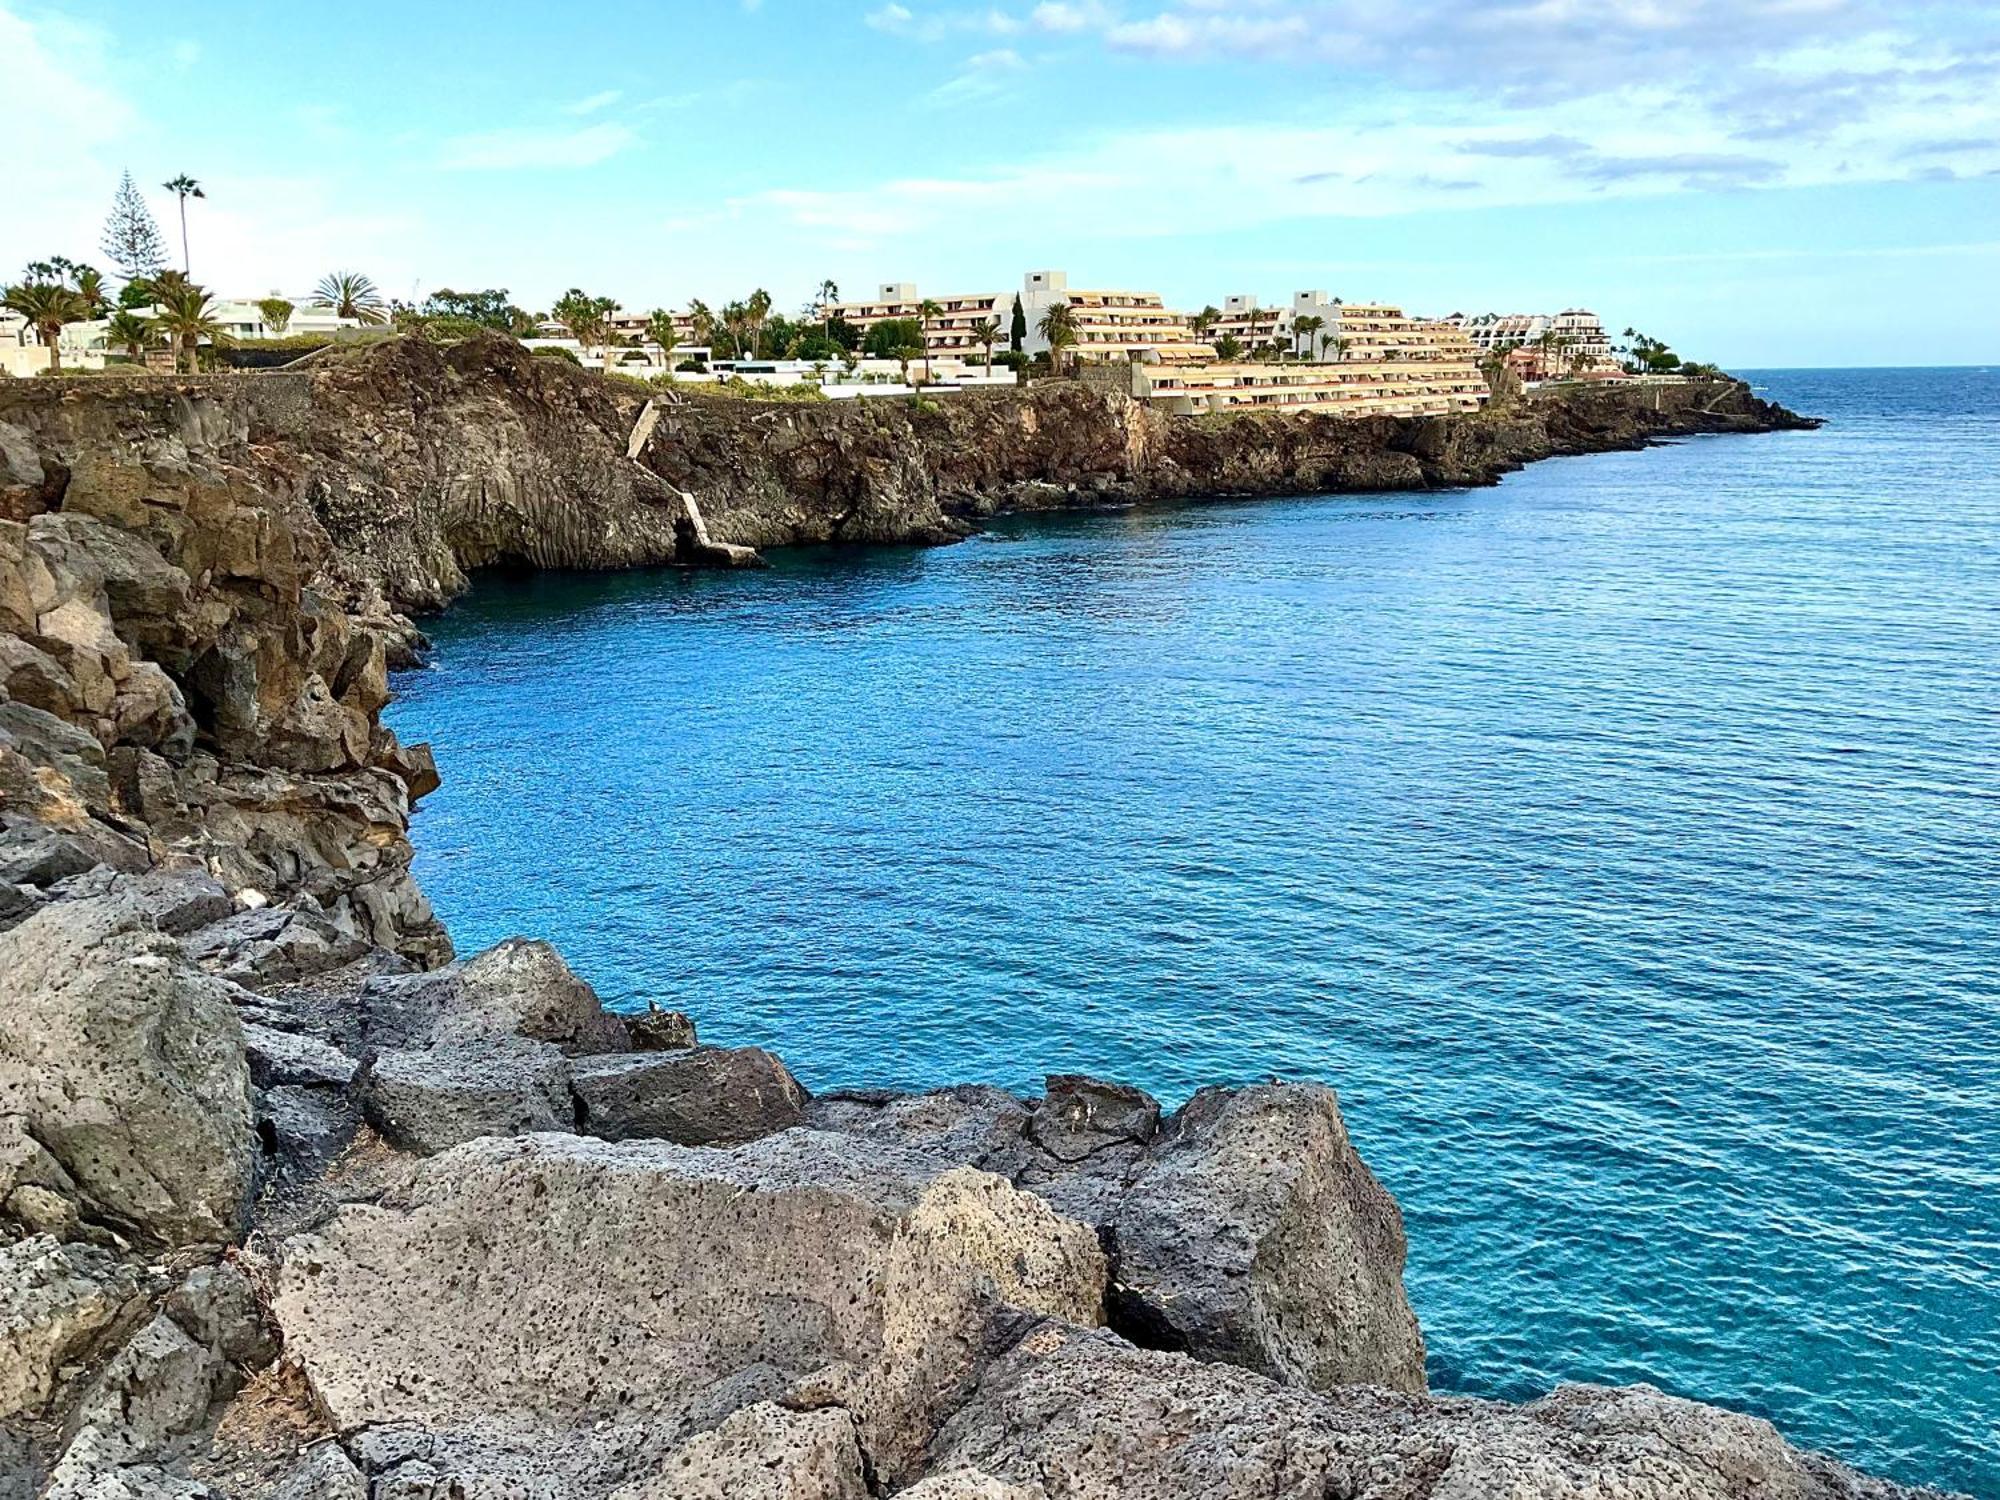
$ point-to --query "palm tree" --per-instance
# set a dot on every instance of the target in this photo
(926, 310)
(704, 323)
(758, 308)
(829, 294)
(737, 323)
(1548, 343)
(904, 353)
(988, 334)
(47, 305)
(1306, 326)
(351, 295)
(130, 332)
(184, 187)
(1058, 327)
(187, 316)
(90, 289)
(1204, 320)
(660, 329)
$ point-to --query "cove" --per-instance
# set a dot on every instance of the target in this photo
(1620, 842)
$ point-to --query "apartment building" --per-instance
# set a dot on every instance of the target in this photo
(954, 330)
(1386, 364)
(1255, 326)
(1111, 325)
(1577, 331)
(1343, 388)
(630, 328)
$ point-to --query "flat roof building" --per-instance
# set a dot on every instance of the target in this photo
(1111, 324)
(1575, 335)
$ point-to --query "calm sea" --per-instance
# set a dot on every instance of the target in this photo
(1623, 842)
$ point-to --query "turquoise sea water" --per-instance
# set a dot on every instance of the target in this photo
(1623, 842)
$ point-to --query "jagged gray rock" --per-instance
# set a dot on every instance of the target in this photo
(1085, 1416)
(126, 1063)
(428, 1101)
(703, 1096)
(56, 1301)
(273, 944)
(325, 1473)
(802, 1264)
(763, 1452)
(515, 988)
(1245, 1228)
(1253, 1232)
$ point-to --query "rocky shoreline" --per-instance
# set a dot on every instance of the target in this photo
(295, 1204)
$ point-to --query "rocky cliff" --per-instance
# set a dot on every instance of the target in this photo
(422, 464)
(292, 1207)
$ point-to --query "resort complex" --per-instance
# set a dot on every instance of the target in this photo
(1315, 352)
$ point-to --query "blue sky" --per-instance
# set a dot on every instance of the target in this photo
(1759, 181)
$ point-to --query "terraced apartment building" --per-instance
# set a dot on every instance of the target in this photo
(1577, 331)
(1110, 324)
(1389, 364)
(1256, 327)
(953, 331)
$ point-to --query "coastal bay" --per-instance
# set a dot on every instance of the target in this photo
(207, 823)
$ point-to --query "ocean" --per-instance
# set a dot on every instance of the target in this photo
(1623, 843)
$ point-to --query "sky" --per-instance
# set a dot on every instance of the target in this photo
(1760, 182)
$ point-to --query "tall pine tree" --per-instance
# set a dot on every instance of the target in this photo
(1017, 327)
(131, 239)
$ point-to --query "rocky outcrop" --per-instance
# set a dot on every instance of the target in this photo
(801, 1268)
(1080, 1414)
(1245, 1227)
(421, 465)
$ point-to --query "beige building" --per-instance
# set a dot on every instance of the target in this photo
(1111, 325)
(1387, 364)
(954, 330)
(1257, 327)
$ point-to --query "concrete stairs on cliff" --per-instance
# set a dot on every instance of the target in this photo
(692, 544)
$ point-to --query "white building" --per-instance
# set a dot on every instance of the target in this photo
(1110, 324)
(1576, 330)
(1255, 326)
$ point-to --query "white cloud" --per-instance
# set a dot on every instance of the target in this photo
(531, 147)
(1448, 156)
(590, 104)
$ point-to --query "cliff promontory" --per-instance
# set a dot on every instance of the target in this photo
(294, 1204)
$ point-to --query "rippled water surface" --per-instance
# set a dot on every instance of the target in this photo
(1623, 842)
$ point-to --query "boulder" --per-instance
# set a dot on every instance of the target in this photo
(34, 854)
(763, 1452)
(127, 1064)
(515, 988)
(1245, 1228)
(1253, 1232)
(803, 1266)
(56, 1302)
(280, 1057)
(703, 1096)
(272, 945)
(428, 1101)
(657, 1030)
(1085, 1416)
(1079, 1117)
(175, 901)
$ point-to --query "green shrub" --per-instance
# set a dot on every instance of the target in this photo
(557, 353)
